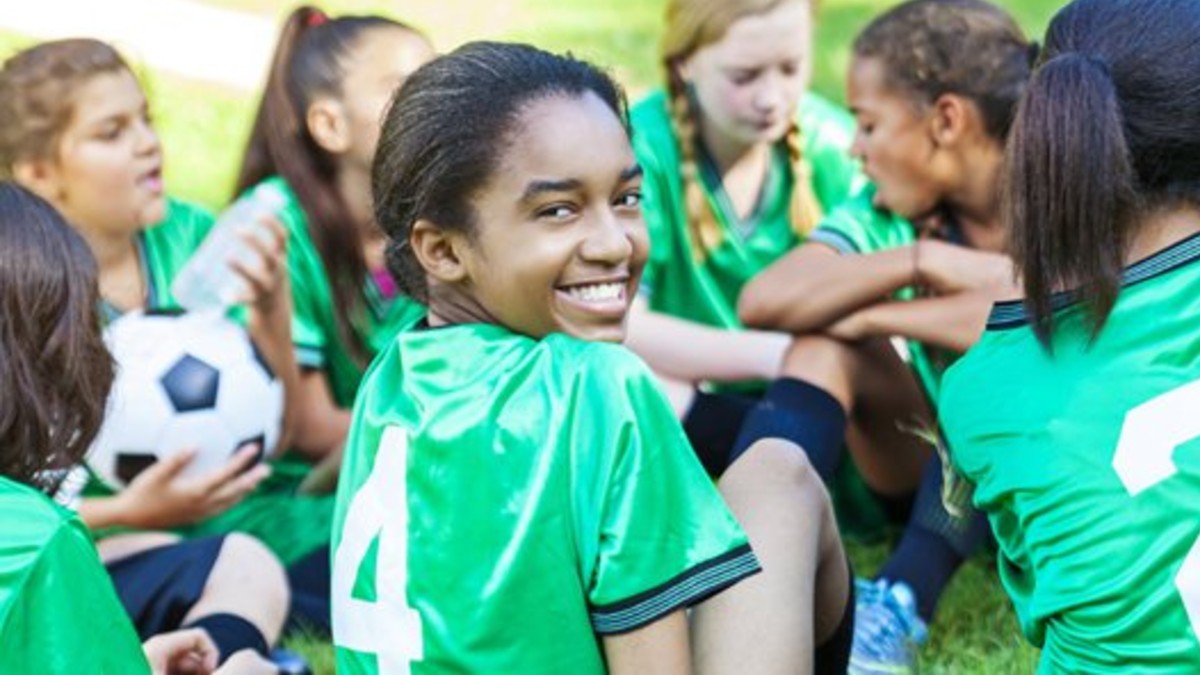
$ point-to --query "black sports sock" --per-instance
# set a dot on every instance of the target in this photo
(309, 579)
(231, 633)
(712, 424)
(802, 413)
(832, 657)
(934, 544)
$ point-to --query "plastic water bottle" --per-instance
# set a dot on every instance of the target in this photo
(208, 281)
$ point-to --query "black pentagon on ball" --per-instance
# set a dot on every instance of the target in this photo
(260, 441)
(191, 384)
(130, 464)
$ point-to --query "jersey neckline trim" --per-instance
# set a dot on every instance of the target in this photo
(1009, 314)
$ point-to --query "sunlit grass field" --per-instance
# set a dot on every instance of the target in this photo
(203, 127)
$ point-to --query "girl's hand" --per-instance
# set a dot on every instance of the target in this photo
(267, 279)
(269, 296)
(852, 327)
(182, 652)
(159, 498)
(948, 268)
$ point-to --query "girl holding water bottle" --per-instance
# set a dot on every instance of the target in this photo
(313, 140)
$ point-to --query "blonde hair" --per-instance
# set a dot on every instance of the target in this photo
(37, 100)
(690, 25)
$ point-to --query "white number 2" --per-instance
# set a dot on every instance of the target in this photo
(388, 627)
(1149, 436)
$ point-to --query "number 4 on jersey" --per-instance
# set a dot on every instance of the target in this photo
(1149, 436)
(387, 627)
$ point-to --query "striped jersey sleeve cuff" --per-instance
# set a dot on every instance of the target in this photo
(309, 357)
(689, 588)
(834, 239)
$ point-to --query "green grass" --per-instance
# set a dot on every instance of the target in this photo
(975, 631)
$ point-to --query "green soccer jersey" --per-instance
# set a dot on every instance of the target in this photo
(505, 501)
(163, 250)
(1085, 460)
(674, 282)
(58, 610)
(857, 227)
(314, 326)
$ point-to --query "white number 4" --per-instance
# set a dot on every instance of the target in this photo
(1149, 436)
(388, 627)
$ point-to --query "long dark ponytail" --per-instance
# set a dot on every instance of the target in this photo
(308, 63)
(1108, 130)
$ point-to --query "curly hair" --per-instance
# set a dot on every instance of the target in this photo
(967, 47)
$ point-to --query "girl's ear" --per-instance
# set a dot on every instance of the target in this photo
(949, 119)
(683, 68)
(327, 123)
(40, 177)
(439, 251)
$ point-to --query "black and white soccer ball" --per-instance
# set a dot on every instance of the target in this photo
(183, 381)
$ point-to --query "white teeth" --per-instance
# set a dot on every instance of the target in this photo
(597, 292)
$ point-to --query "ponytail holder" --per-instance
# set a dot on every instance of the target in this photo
(316, 19)
(1035, 51)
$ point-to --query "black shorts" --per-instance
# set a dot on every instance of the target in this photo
(712, 425)
(159, 586)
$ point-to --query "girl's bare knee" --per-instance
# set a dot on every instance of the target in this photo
(775, 464)
(246, 565)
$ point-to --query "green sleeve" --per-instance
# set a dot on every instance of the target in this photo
(657, 152)
(858, 227)
(64, 616)
(828, 131)
(309, 289)
(665, 538)
(658, 210)
(168, 246)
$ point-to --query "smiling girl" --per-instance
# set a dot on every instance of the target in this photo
(517, 494)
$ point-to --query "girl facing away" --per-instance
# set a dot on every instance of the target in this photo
(934, 85)
(1074, 414)
(55, 375)
(517, 494)
(75, 129)
(314, 138)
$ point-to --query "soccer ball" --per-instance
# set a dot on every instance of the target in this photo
(183, 381)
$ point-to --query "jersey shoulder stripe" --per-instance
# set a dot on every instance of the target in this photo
(686, 589)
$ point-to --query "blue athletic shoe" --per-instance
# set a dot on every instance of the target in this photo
(289, 662)
(887, 629)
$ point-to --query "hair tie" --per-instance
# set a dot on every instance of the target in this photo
(1035, 51)
(316, 19)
